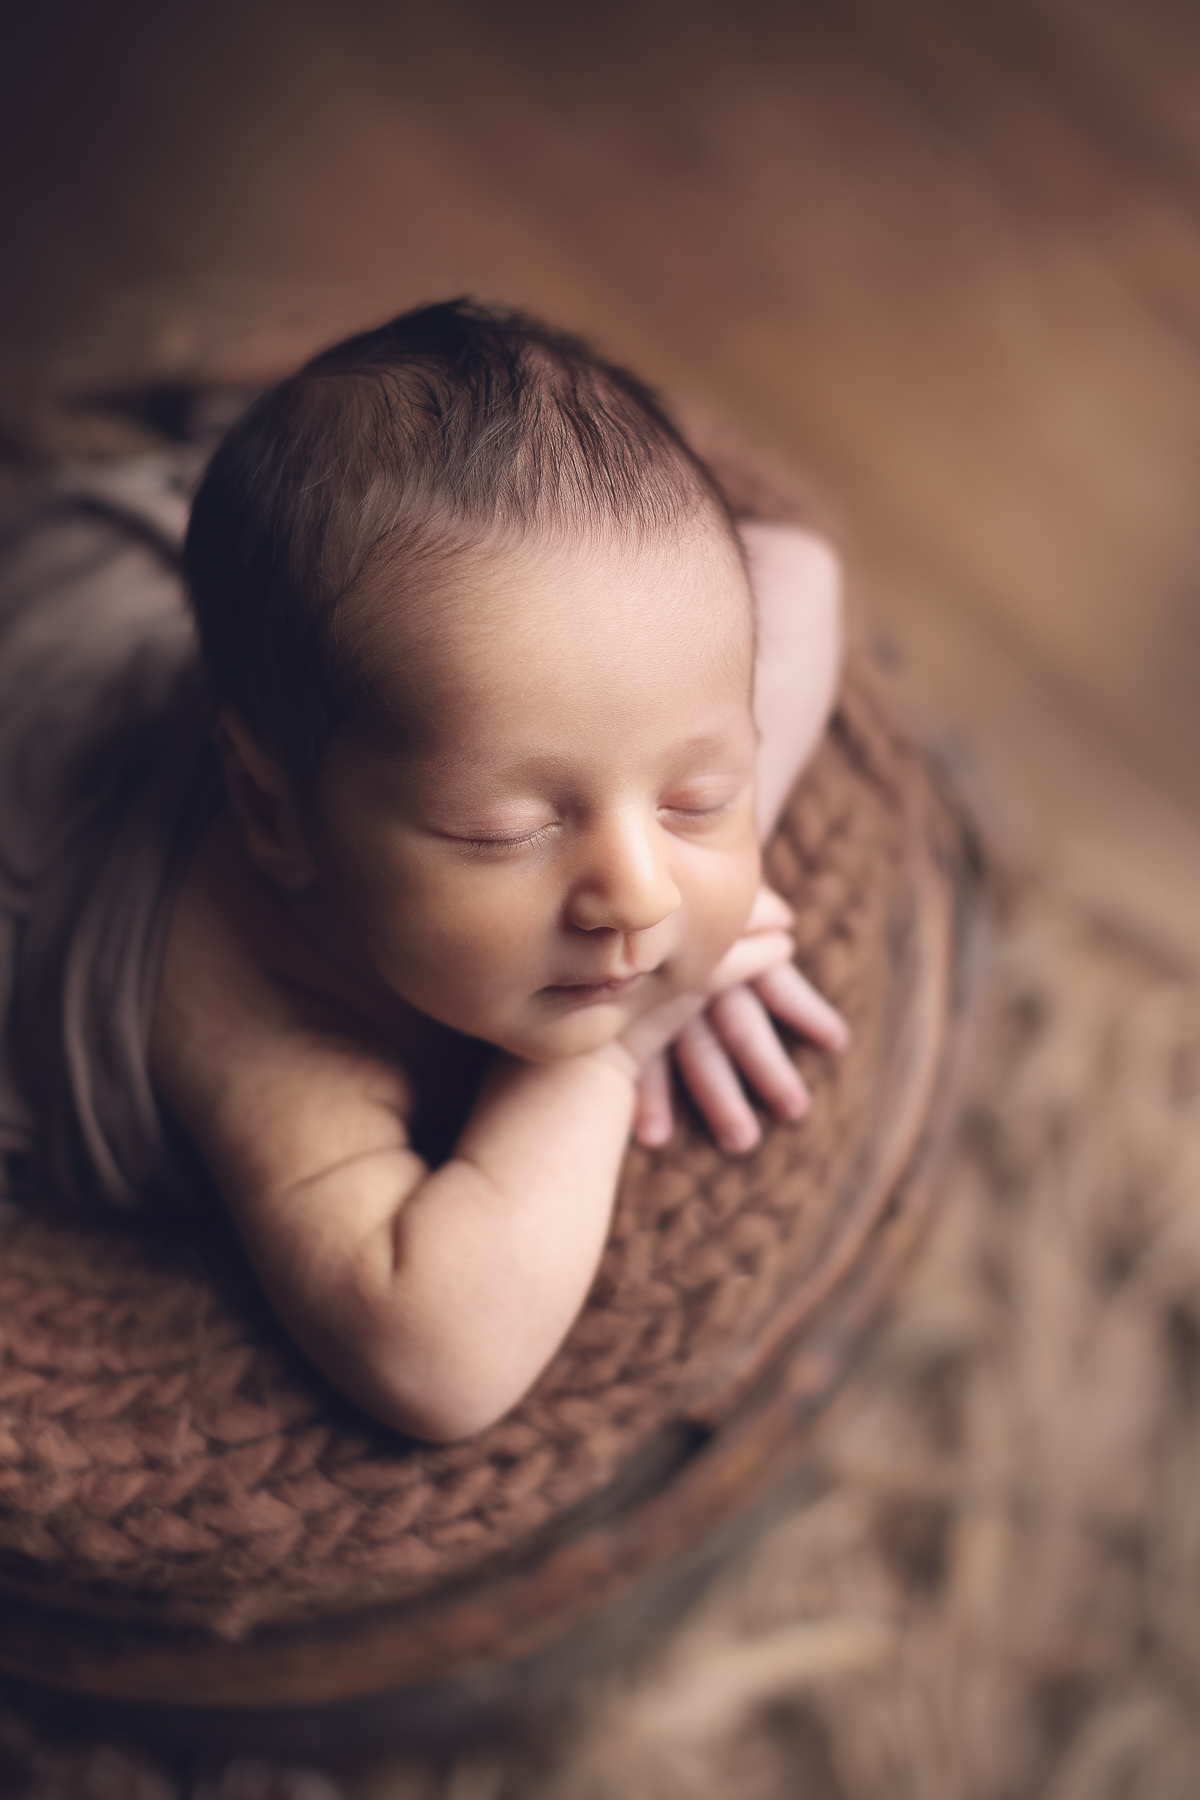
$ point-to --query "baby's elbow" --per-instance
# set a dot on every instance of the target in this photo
(818, 580)
(799, 567)
(448, 1390)
(427, 1362)
(448, 1415)
(450, 1426)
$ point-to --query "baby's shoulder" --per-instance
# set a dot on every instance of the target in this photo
(253, 1016)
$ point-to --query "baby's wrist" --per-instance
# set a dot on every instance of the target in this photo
(620, 1060)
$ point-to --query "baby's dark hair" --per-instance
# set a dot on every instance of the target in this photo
(449, 425)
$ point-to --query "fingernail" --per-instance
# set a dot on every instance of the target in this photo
(739, 1139)
(835, 1033)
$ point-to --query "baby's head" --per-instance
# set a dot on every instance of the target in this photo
(480, 626)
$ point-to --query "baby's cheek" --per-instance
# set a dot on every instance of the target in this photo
(743, 875)
(479, 946)
(726, 896)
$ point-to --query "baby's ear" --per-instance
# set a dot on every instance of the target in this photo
(263, 805)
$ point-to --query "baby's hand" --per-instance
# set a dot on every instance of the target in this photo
(765, 944)
(736, 1032)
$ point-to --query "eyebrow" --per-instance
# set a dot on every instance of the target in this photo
(702, 744)
(554, 764)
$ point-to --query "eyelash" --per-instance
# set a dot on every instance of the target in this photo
(513, 843)
(539, 836)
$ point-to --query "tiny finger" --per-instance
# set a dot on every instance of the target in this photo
(784, 991)
(743, 1026)
(751, 957)
(715, 1088)
(654, 1119)
(770, 912)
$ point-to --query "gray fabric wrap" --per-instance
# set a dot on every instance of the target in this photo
(106, 775)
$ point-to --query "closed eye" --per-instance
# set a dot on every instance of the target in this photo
(478, 846)
(697, 814)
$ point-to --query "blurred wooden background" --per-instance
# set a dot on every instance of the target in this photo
(945, 257)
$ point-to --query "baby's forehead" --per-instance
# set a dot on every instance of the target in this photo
(635, 622)
(464, 590)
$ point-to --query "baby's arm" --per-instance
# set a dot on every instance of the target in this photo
(434, 1299)
(796, 580)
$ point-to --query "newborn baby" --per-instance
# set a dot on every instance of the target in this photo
(483, 637)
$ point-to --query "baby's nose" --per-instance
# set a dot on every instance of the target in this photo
(624, 883)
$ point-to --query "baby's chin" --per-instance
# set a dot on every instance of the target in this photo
(571, 1031)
